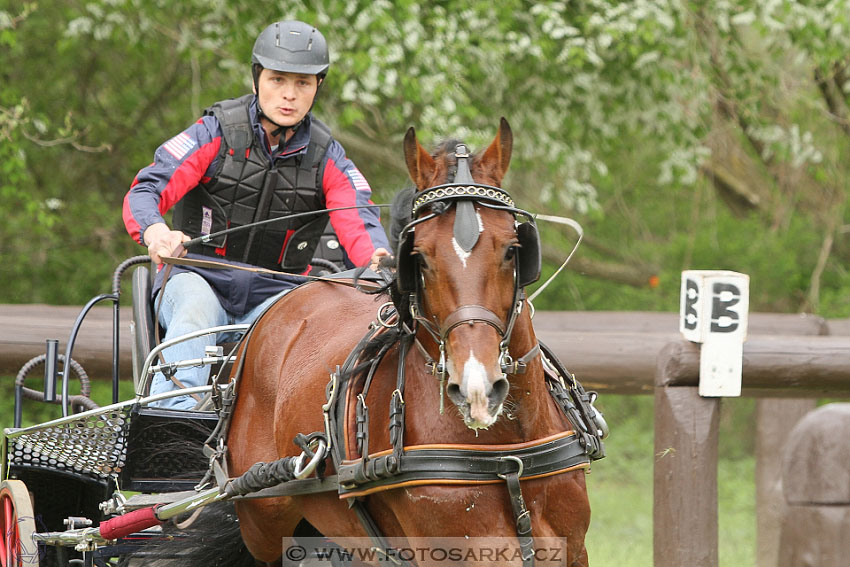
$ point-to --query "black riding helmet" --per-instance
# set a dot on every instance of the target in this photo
(290, 47)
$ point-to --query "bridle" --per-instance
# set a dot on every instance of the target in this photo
(464, 193)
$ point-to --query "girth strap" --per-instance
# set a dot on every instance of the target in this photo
(374, 531)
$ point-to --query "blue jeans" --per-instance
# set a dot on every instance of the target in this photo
(189, 304)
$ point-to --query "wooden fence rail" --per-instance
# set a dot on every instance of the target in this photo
(790, 356)
(609, 351)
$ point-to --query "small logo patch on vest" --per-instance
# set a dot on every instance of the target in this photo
(206, 222)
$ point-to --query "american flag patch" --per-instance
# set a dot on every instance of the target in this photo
(360, 183)
(179, 145)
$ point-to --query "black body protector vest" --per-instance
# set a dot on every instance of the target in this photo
(246, 188)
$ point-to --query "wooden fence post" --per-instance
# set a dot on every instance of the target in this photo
(685, 474)
(773, 419)
(816, 484)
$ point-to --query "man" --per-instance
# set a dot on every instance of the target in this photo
(250, 159)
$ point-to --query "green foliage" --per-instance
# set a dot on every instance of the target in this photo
(34, 412)
(617, 110)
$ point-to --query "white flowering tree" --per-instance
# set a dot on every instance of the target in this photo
(667, 126)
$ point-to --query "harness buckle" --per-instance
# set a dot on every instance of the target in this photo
(331, 394)
(519, 463)
(506, 361)
(398, 396)
(598, 418)
(386, 313)
(438, 368)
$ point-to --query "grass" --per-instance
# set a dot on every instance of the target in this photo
(620, 486)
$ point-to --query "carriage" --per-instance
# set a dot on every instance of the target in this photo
(62, 477)
(95, 486)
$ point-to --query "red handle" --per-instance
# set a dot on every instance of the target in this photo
(127, 524)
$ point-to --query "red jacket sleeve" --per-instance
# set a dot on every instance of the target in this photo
(179, 165)
(359, 230)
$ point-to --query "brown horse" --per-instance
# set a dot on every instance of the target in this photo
(466, 291)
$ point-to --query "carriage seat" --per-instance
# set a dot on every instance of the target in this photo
(144, 316)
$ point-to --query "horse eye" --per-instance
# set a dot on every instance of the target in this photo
(420, 261)
(510, 253)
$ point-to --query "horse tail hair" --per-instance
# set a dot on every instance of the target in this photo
(212, 540)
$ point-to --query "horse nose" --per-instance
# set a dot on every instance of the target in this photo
(499, 392)
(456, 395)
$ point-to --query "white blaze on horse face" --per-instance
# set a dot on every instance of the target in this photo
(476, 382)
(461, 253)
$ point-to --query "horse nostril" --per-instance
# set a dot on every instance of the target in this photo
(499, 391)
(455, 395)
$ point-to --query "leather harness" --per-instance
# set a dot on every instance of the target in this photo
(362, 472)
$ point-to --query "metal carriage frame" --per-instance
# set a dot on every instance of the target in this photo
(65, 481)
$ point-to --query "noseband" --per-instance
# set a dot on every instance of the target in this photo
(464, 192)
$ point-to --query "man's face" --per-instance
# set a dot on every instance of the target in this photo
(286, 97)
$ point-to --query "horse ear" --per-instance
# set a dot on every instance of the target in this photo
(420, 164)
(497, 157)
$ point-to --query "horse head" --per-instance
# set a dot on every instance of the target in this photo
(464, 259)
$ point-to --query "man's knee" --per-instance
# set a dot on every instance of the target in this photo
(191, 303)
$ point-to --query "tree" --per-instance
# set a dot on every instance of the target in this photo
(682, 134)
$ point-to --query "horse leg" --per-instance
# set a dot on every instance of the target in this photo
(484, 512)
(262, 523)
(570, 520)
(581, 561)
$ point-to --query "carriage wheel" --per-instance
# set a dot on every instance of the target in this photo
(17, 524)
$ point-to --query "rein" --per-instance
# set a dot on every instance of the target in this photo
(208, 237)
(176, 259)
(173, 260)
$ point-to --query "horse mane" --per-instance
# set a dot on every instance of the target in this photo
(400, 215)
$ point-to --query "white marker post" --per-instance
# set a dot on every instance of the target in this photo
(713, 312)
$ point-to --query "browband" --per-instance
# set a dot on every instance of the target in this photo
(450, 191)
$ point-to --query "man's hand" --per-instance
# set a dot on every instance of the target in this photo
(162, 241)
(376, 258)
